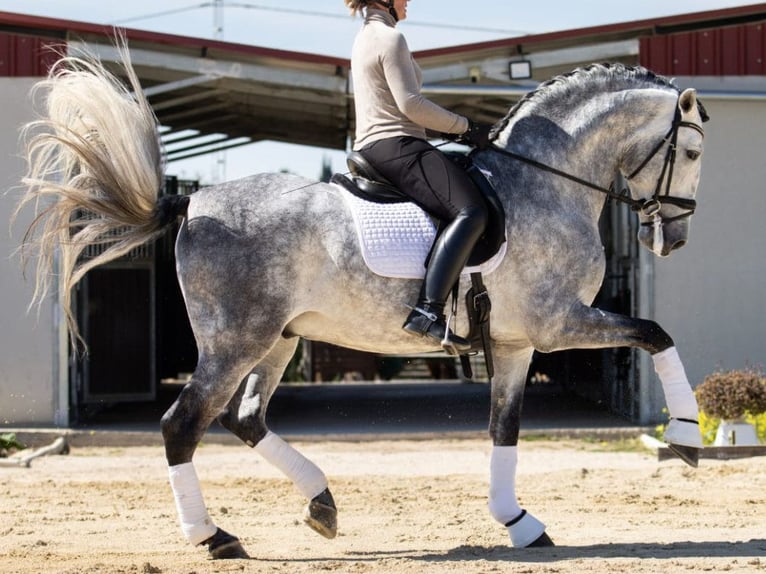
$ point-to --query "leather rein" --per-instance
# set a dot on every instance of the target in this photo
(649, 207)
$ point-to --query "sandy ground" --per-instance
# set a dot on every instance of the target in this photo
(405, 507)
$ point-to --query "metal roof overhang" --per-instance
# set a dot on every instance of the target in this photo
(210, 95)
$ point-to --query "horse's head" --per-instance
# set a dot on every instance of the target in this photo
(665, 182)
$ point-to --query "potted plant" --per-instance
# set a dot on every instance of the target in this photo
(733, 397)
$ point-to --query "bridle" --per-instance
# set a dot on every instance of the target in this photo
(648, 207)
(651, 207)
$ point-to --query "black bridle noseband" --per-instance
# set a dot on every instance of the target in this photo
(648, 207)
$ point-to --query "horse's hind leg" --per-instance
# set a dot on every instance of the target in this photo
(183, 425)
(505, 419)
(245, 416)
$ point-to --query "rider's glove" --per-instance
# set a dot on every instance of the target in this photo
(477, 135)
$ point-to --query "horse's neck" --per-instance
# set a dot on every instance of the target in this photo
(587, 142)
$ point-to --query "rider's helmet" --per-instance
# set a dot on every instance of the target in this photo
(356, 5)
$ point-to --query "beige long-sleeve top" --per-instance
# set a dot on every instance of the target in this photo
(387, 83)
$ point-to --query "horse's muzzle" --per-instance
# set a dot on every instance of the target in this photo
(671, 236)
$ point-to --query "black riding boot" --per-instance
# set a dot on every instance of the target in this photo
(448, 258)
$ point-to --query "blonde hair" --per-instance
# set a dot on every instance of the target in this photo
(355, 6)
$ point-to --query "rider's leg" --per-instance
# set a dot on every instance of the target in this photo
(449, 256)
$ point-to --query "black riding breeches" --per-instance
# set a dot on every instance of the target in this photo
(425, 174)
(443, 189)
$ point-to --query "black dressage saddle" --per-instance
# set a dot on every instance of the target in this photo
(365, 182)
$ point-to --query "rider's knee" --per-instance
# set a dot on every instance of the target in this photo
(477, 214)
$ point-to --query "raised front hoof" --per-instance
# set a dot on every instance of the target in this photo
(322, 515)
(684, 440)
(689, 454)
(224, 546)
(544, 541)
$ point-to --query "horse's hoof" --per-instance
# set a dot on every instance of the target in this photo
(543, 541)
(224, 546)
(322, 515)
(689, 454)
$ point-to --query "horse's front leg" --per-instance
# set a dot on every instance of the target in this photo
(245, 416)
(589, 328)
(505, 419)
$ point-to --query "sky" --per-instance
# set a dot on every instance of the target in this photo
(324, 27)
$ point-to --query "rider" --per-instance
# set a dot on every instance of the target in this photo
(391, 122)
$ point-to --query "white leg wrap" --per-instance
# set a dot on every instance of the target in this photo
(306, 476)
(503, 504)
(523, 528)
(683, 433)
(196, 525)
(679, 395)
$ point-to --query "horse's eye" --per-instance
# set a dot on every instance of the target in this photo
(692, 154)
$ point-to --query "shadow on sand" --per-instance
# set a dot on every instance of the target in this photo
(752, 548)
(713, 549)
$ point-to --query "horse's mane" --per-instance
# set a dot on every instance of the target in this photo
(581, 83)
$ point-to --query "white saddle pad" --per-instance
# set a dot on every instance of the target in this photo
(395, 238)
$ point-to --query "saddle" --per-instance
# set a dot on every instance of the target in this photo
(366, 183)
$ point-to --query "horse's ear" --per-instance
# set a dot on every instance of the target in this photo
(688, 100)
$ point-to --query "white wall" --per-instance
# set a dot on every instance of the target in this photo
(27, 349)
(711, 295)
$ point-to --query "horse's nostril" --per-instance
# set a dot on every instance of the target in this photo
(678, 244)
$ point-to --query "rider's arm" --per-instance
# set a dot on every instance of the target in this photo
(403, 77)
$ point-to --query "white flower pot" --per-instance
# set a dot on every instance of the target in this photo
(735, 433)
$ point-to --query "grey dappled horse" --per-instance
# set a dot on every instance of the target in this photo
(268, 259)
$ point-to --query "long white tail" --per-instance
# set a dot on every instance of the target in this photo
(95, 167)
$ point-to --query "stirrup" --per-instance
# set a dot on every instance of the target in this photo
(448, 343)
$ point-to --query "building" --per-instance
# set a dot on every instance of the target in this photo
(708, 295)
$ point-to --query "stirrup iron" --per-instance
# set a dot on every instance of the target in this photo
(447, 344)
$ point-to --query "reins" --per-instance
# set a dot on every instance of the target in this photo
(634, 203)
(649, 207)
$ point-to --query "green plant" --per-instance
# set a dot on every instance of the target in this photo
(9, 444)
(732, 394)
(709, 426)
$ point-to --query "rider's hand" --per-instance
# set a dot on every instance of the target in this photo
(477, 135)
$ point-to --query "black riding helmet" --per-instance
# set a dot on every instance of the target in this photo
(388, 4)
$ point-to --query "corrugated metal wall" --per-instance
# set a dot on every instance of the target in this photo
(26, 56)
(729, 51)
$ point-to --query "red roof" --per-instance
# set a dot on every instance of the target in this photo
(54, 28)
(636, 28)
